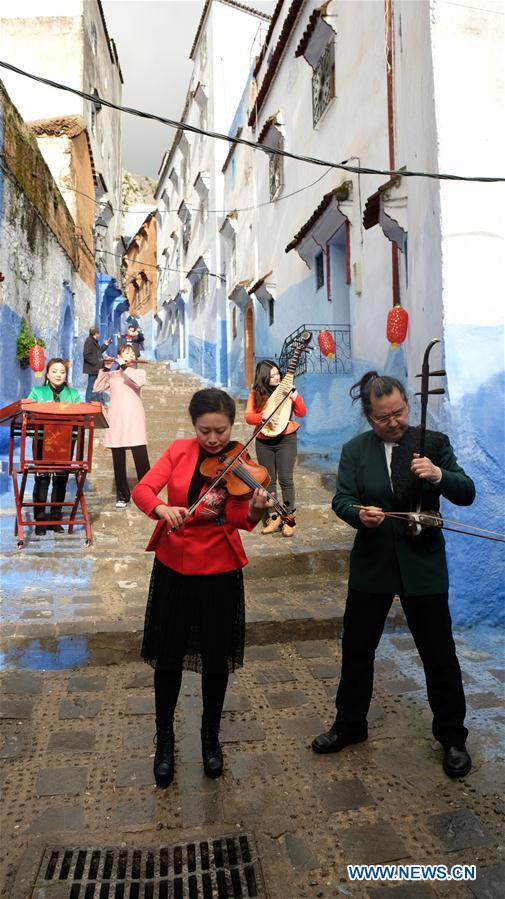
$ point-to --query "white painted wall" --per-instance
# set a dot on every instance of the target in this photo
(471, 129)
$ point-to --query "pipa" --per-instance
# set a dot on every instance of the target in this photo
(278, 423)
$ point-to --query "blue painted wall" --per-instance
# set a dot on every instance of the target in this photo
(202, 358)
(473, 417)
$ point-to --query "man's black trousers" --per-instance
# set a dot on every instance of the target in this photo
(429, 620)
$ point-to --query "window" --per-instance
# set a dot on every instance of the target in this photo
(94, 38)
(319, 271)
(201, 289)
(186, 233)
(271, 313)
(275, 174)
(323, 83)
(96, 107)
(204, 208)
(233, 322)
(184, 174)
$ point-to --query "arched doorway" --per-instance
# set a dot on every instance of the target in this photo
(249, 344)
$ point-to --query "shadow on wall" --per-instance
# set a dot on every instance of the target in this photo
(477, 567)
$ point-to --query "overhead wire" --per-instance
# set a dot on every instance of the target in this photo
(141, 262)
(125, 210)
(96, 99)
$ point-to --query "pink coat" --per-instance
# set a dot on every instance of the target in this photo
(126, 416)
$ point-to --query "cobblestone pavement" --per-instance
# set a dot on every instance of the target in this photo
(78, 747)
(77, 710)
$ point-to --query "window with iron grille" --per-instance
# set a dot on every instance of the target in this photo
(186, 233)
(319, 264)
(323, 83)
(276, 174)
(204, 208)
(201, 289)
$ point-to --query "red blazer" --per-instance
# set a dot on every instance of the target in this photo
(201, 546)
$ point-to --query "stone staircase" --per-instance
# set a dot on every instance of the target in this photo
(56, 590)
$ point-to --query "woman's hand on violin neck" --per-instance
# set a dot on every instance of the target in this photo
(258, 503)
(173, 515)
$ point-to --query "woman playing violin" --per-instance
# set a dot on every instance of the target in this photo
(195, 618)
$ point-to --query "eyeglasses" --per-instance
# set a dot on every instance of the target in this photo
(387, 419)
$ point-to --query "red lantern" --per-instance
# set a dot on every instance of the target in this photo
(327, 344)
(397, 324)
(37, 359)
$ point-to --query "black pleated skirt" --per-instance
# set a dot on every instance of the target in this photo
(194, 620)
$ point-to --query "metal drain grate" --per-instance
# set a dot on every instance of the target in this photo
(218, 868)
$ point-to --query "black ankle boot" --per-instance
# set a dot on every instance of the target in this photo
(164, 764)
(211, 750)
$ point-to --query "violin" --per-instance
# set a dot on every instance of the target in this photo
(242, 475)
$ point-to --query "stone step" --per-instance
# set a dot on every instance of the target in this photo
(94, 624)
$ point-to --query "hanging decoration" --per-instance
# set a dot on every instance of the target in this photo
(397, 324)
(36, 356)
(327, 344)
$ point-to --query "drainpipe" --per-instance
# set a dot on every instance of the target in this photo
(388, 9)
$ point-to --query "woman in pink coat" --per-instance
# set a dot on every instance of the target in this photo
(127, 419)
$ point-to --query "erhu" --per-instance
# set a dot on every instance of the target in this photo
(417, 521)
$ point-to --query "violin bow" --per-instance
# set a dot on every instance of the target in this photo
(231, 461)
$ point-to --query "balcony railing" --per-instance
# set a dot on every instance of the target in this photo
(315, 362)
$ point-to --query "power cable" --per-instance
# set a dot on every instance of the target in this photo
(139, 262)
(124, 210)
(215, 135)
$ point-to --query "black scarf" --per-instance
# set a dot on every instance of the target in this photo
(405, 484)
(57, 391)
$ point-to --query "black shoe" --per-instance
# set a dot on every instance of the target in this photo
(334, 740)
(164, 763)
(456, 761)
(212, 755)
(57, 528)
(40, 530)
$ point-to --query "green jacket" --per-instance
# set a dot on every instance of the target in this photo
(387, 559)
(44, 394)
